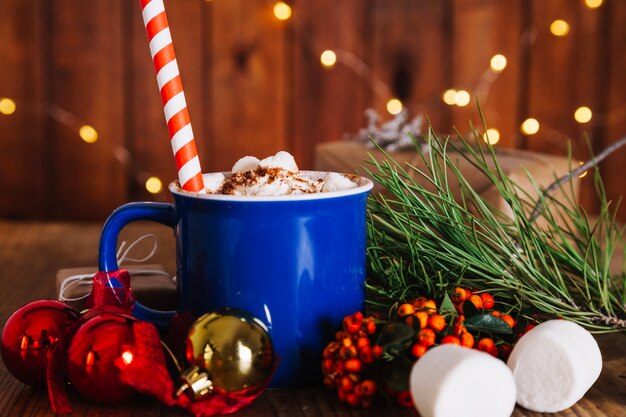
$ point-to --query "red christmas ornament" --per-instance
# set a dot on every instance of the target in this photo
(102, 347)
(30, 334)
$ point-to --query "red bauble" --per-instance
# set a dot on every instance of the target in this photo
(29, 335)
(100, 348)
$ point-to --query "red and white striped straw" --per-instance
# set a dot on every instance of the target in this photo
(172, 94)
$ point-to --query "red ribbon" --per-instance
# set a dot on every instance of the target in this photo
(110, 293)
(150, 360)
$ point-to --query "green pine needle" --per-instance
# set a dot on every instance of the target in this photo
(424, 241)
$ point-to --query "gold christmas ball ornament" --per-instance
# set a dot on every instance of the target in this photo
(228, 351)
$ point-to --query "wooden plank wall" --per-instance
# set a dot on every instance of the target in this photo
(254, 85)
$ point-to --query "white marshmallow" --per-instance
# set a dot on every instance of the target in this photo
(247, 163)
(337, 182)
(554, 365)
(283, 160)
(213, 182)
(453, 381)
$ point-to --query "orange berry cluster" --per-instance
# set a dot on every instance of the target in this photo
(484, 303)
(433, 327)
(357, 367)
(345, 358)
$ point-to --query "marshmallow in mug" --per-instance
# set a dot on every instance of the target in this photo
(274, 175)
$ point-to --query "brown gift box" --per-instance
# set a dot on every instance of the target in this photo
(348, 157)
(152, 290)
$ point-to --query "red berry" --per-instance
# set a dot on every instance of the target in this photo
(345, 384)
(353, 399)
(353, 365)
(404, 398)
(377, 351)
(426, 337)
(476, 300)
(487, 300)
(418, 350)
(451, 340)
(366, 355)
(365, 388)
(437, 322)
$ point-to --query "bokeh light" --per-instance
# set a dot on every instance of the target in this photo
(328, 58)
(530, 126)
(583, 114)
(154, 185)
(7, 106)
(492, 136)
(498, 62)
(593, 4)
(559, 27)
(88, 134)
(462, 98)
(394, 106)
(449, 97)
(282, 10)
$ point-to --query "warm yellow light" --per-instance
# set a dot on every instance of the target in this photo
(88, 134)
(559, 27)
(492, 136)
(154, 185)
(328, 58)
(394, 106)
(498, 62)
(462, 98)
(583, 114)
(584, 174)
(282, 10)
(7, 106)
(127, 357)
(449, 97)
(593, 4)
(530, 126)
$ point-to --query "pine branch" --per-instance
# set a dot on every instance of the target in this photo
(424, 242)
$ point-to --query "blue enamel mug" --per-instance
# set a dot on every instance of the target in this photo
(297, 262)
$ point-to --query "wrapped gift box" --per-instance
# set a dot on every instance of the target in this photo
(350, 157)
(153, 290)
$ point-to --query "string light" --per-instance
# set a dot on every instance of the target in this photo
(7, 106)
(462, 98)
(530, 126)
(154, 185)
(498, 62)
(593, 4)
(491, 136)
(282, 10)
(88, 134)
(559, 27)
(449, 97)
(328, 58)
(584, 174)
(583, 114)
(394, 106)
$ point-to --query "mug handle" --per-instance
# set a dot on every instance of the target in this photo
(163, 213)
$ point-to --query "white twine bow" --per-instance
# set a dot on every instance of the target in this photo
(122, 256)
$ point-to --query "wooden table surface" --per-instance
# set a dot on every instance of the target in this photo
(31, 253)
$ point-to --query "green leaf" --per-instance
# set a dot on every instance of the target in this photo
(487, 323)
(447, 308)
(469, 309)
(520, 326)
(399, 372)
(396, 337)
